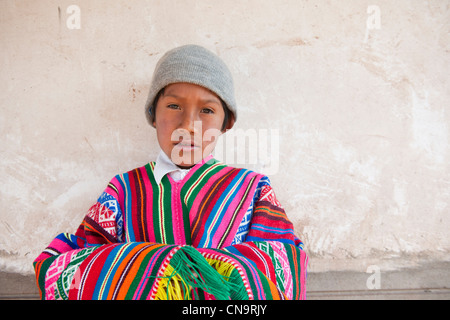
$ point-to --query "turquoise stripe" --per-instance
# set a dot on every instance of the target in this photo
(128, 223)
(266, 228)
(112, 255)
(255, 239)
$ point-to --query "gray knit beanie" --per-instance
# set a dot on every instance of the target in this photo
(196, 65)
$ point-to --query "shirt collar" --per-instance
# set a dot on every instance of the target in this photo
(165, 166)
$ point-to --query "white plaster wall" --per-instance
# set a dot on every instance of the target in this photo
(354, 95)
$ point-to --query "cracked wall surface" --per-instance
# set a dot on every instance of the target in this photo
(347, 102)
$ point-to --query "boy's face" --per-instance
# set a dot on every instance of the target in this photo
(188, 121)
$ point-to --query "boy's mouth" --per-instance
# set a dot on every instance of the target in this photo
(186, 145)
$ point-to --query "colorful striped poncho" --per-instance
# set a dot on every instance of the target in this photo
(217, 234)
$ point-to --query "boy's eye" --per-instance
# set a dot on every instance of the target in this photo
(173, 106)
(207, 110)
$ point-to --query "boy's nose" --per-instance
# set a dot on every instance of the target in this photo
(190, 122)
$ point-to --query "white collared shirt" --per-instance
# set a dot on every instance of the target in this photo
(165, 166)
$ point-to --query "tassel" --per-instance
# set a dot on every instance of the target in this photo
(232, 276)
(197, 273)
(171, 286)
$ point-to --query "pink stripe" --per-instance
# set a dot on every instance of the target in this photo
(303, 266)
(202, 193)
(177, 215)
(196, 167)
(120, 197)
(147, 271)
(113, 193)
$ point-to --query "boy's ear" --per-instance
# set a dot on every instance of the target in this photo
(230, 123)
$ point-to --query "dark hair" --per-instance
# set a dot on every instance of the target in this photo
(227, 111)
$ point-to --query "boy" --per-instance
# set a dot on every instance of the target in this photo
(185, 226)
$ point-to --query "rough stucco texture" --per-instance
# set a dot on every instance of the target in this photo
(353, 94)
